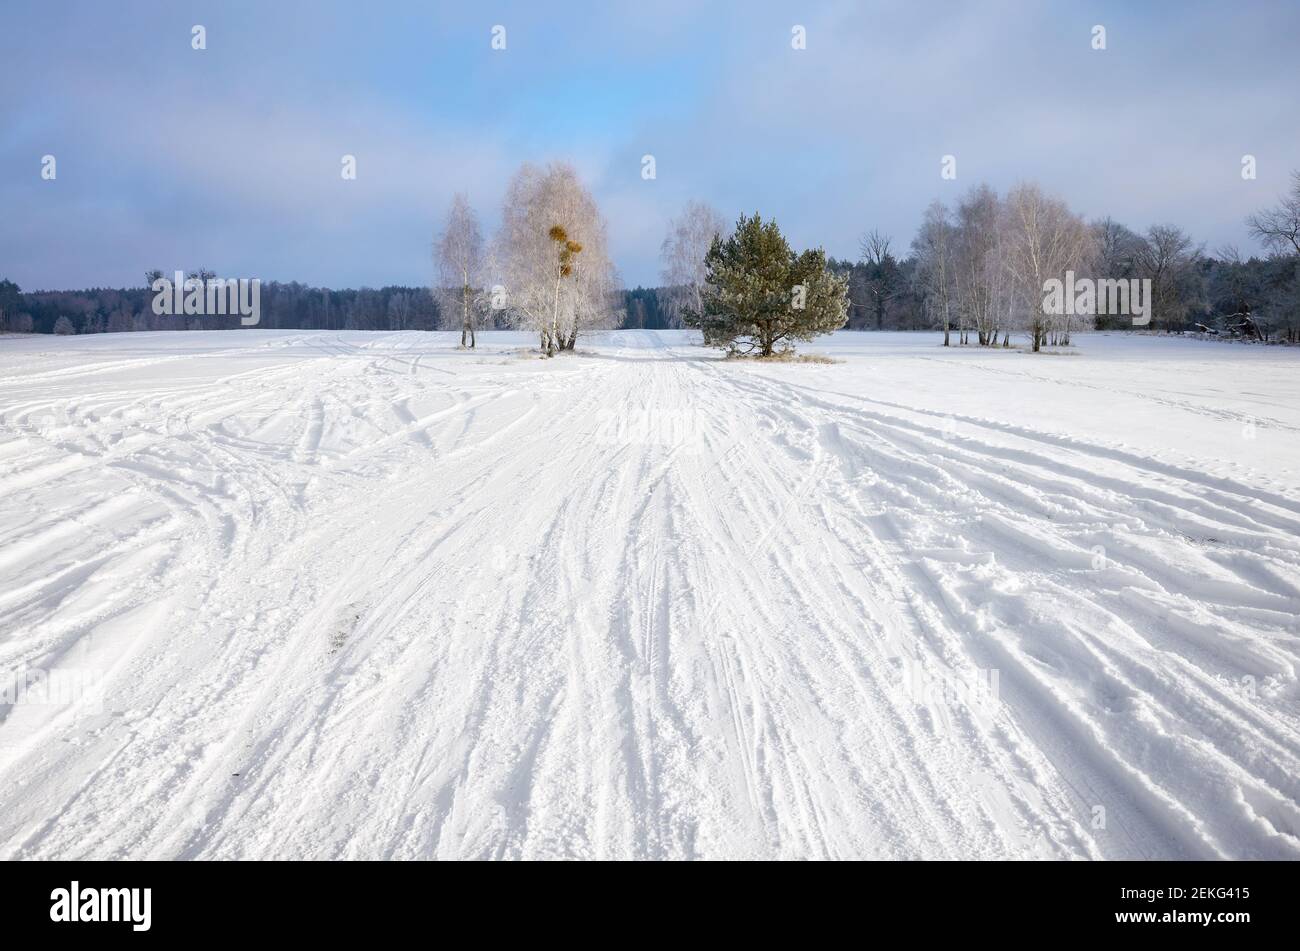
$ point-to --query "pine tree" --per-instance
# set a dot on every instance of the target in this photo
(759, 294)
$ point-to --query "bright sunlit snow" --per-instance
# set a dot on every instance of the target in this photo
(365, 595)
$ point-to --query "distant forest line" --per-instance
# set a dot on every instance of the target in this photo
(296, 306)
(284, 306)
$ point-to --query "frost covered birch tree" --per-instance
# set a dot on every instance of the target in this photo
(690, 235)
(934, 247)
(1043, 240)
(977, 272)
(553, 256)
(460, 261)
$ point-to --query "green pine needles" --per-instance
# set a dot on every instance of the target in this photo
(760, 297)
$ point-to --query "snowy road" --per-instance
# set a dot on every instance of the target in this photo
(362, 595)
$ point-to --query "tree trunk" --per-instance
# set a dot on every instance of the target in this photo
(464, 314)
(554, 333)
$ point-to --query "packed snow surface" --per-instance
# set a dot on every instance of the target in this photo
(370, 596)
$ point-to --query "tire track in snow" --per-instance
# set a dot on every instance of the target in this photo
(682, 655)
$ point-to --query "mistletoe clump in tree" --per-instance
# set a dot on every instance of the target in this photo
(759, 295)
(564, 263)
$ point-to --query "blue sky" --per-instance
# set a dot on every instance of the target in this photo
(229, 158)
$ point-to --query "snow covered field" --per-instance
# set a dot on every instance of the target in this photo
(364, 595)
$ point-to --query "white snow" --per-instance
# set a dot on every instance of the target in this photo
(365, 595)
